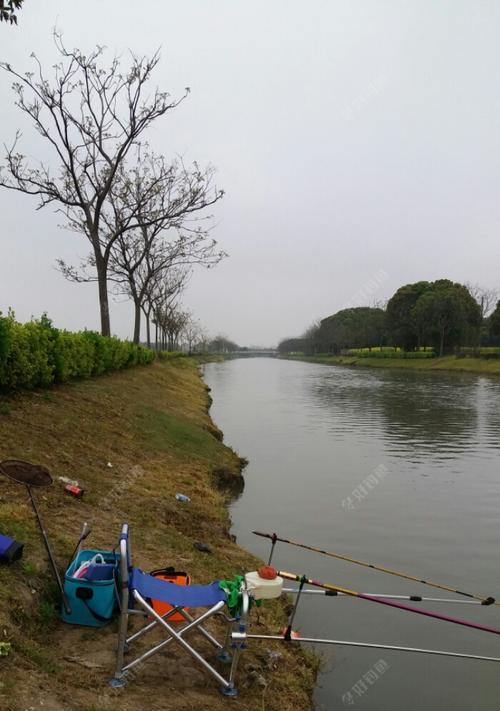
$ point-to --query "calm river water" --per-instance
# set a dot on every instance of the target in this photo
(313, 434)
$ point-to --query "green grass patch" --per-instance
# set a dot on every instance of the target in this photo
(39, 656)
(171, 355)
(12, 528)
(178, 435)
(7, 686)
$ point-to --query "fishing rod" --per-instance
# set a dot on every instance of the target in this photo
(411, 598)
(343, 643)
(390, 603)
(86, 531)
(382, 569)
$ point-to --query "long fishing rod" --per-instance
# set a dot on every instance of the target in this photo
(382, 569)
(410, 598)
(390, 603)
(343, 643)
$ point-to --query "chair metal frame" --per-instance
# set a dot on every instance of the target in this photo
(227, 652)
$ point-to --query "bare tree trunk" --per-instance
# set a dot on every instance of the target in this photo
(137, 322)
(148, 331)
(102, 279)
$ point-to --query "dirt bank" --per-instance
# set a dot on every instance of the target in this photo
(133, 440)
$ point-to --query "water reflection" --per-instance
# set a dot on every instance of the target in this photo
(312, 434)
(414, 414)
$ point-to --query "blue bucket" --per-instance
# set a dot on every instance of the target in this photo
(93, 599)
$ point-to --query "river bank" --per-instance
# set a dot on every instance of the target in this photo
(451, 363)
(133, 440)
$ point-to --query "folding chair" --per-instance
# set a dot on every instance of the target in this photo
(136, 587)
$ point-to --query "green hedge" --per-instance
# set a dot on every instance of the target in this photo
(364, 353)
(389, 350)
(35, 354)
(486, 352)
(171, 355)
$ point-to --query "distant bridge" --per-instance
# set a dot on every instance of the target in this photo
(253, 353)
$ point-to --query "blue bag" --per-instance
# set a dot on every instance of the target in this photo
(92, 599)
(10, 550)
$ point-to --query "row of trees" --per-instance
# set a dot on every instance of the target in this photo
(441, 314)
(146, 219)
(181, 331)
(221, 344)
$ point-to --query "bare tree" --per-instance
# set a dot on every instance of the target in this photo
(222, 344)
(167, 200)
(175, 323)
(162, 302)
(193, 333)
(486, 298)
(8, 10)
(162, 291)
(312, 331)
(171, 320)
(91, 117)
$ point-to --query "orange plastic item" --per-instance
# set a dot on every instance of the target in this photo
(267, 572)
(162, 607)
(294, 634)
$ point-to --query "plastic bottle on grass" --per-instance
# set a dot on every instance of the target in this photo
(183, 498)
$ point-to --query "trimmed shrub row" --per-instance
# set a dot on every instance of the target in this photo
(390, 350)
(171, 355)
(390, 354)
(35, 354)
(482, 352)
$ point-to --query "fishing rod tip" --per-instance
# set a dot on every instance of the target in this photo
(488, 601)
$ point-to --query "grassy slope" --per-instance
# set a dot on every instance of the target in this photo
(469, 365)
(152, 425)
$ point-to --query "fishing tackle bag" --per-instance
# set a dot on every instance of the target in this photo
(92, 598)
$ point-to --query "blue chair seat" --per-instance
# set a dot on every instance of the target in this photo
(176, 595)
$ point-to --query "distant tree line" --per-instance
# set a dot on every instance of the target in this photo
(220, 344)
(442, 315)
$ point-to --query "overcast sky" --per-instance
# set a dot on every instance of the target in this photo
(358, 143)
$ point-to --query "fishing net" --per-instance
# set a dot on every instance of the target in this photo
(25, 472)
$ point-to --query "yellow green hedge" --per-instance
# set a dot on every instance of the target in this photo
(36, 354)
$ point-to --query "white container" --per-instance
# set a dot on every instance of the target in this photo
(261, 588)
